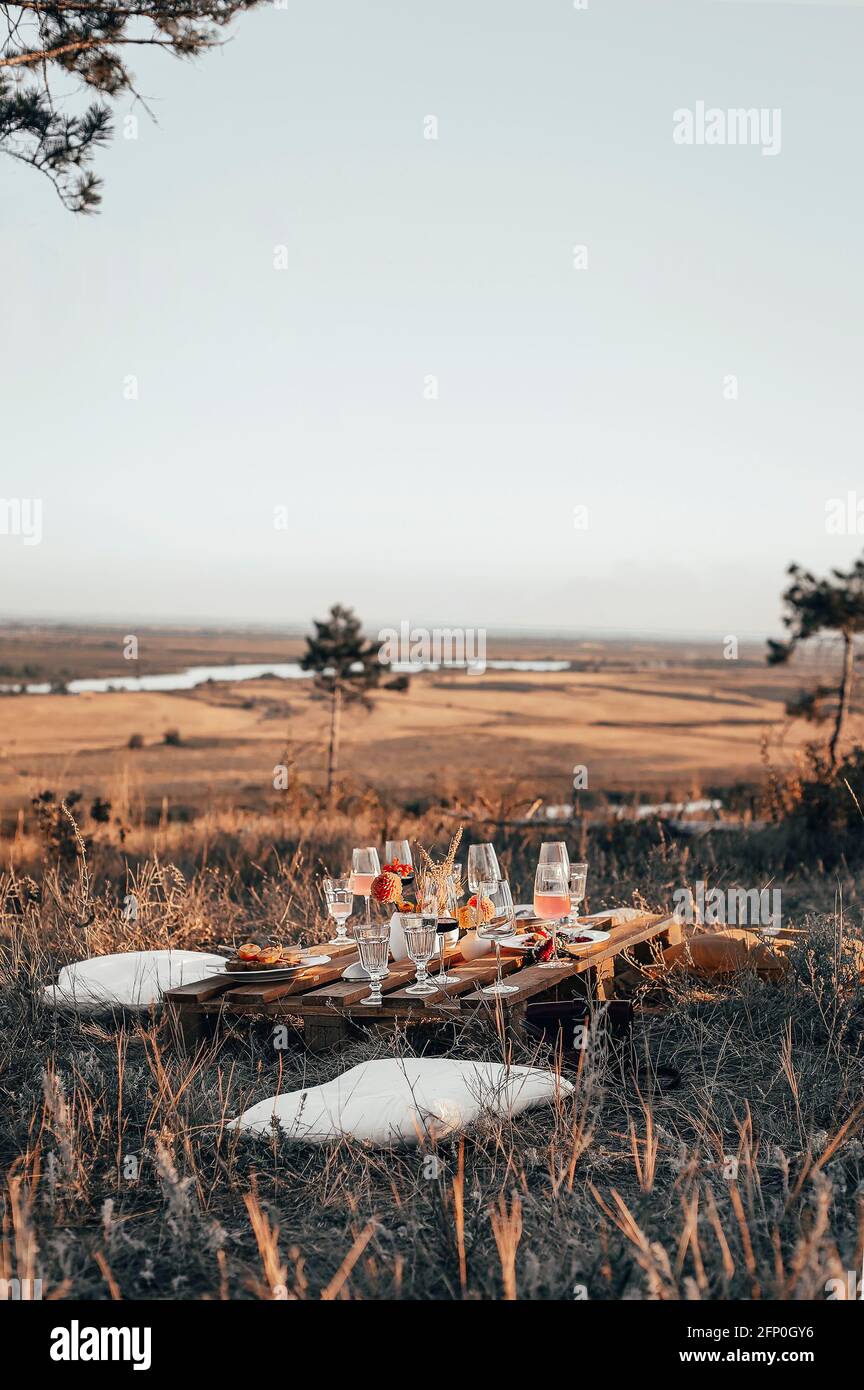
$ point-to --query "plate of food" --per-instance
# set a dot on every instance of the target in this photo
(578, 939)
(521, 941)
(251, 962)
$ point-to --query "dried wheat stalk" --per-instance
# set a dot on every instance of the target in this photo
(432, 877)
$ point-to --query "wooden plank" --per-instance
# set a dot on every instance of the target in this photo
(329, 948)
(530, 980)
(622, 938)
(197, 991)
(467, 977)
(345, 992)
(259, 992)
(536, 979)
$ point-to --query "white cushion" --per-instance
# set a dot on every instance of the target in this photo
(131, 980)
(403, 1100)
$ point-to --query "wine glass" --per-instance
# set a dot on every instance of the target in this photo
(340, 900)
(365, 865)
(502, 924)
(483, 870)
(551, 903)
(554, 852)
(420, 931)
(399, 852)
(578, 876)
(483, 874)
(373, 946)
(443, 906)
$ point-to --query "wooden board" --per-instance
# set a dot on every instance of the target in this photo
(329, 1005)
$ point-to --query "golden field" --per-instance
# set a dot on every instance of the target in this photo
(651, 718)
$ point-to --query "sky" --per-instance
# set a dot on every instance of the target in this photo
(308, 354)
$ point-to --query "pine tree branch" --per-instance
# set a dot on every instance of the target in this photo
(147, 9)
(85, 39)
(79, 46)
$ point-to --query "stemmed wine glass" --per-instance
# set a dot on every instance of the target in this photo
(554, 852)
(483, 873)
(365, 865)
(443, 908)
(420, 931)
(373, 945)
(340, 900)
(399, 852)
(502, 924)
(552, 903)
(578, 876)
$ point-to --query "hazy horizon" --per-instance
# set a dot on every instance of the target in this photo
(495, 633)
(302, 144)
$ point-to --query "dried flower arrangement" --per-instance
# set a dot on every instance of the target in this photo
(432, 878)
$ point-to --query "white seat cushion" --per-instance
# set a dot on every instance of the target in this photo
(131, 980)
(403, 1100)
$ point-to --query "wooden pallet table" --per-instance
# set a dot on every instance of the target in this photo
(331, 1011)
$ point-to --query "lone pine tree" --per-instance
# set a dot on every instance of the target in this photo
(346, 667)
(835, 604)
(58, 131)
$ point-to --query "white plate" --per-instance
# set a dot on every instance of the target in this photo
(515, 942)
(274, 972)
(567, 934)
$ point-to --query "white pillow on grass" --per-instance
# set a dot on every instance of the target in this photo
(403, 1100)
(129, 980)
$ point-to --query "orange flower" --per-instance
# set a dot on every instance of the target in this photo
(387, 888)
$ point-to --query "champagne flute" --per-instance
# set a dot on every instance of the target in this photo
(551, 903)
(502, 924)
(578, 877)
(365, 865)
(340, 899)
(420, 931)
(373, 946)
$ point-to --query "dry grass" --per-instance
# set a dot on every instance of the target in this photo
(745, 1180)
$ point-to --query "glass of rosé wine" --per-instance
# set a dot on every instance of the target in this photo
(365, 865)
(552, 903)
